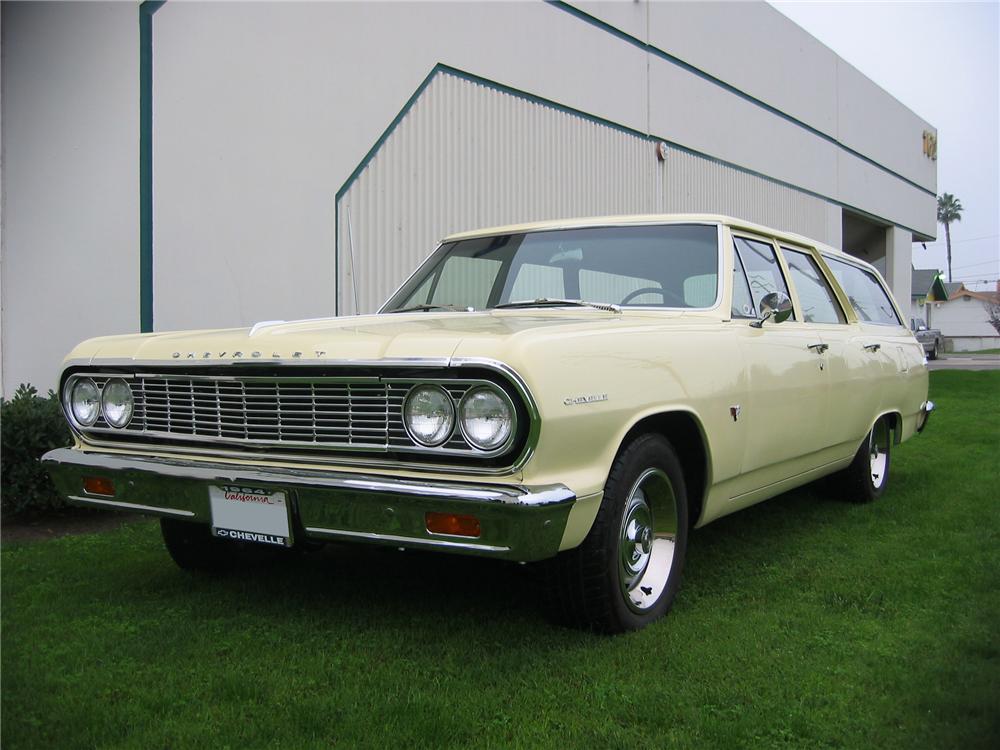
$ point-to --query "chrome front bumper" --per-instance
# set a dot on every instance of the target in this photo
(517, 523)
(924, 415)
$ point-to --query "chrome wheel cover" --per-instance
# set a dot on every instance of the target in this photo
(878, 452)
(646, 540)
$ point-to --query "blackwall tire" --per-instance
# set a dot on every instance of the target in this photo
(626, 573)
(865, 480)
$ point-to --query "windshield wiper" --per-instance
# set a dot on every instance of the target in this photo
(425, 308)
(555, 302)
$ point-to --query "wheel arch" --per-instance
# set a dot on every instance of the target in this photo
(686, 435)
(895, 423)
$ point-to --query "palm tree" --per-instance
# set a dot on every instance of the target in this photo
(949, 210)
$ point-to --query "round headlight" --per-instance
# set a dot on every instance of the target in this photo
(429, 415)
(486, 417)
(116, 402)
(85, 401)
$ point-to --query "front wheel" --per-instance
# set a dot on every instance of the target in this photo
(866, 478)
(628, 569)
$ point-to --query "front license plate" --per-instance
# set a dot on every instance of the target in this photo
(249, 514)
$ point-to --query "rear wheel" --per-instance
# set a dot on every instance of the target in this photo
(866, 478)
(628, 569)
(933, 354)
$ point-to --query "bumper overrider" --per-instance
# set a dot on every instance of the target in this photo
(513, 522)
(924, 415)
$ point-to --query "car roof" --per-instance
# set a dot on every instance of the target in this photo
(644, 219)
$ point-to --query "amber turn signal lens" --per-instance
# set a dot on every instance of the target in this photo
(449, 523)
(99, 486)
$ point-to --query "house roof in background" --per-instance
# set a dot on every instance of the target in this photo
(926, 282)
(984, 296)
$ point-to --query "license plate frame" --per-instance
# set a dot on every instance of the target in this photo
(258, 515)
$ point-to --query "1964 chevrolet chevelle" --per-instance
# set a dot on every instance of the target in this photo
(579, 393)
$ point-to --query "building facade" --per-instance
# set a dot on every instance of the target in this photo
(180, 165)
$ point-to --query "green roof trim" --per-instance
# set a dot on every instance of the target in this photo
(146, 11)
(664, 55)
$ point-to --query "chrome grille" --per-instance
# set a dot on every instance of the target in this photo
(349, 413)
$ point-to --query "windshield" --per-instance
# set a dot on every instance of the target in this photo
(675, 265)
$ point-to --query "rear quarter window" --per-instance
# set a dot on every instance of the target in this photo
(867, 296)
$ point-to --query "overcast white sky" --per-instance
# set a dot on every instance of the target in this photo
(941, 60)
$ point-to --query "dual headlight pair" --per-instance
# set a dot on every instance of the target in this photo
(86, 401)
(485, 416)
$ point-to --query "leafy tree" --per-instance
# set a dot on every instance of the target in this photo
(949, 210)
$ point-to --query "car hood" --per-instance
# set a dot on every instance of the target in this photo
(368, 338)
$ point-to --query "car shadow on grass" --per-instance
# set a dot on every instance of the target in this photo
(365, 583)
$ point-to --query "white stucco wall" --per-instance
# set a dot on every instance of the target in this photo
(70, 265)
(263, 110)
(964, 321)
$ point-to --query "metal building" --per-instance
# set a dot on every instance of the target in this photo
(180, 165)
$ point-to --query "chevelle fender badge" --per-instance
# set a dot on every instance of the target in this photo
(591, 399)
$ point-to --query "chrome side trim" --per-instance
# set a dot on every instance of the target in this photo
(131, 506)
(408, 540)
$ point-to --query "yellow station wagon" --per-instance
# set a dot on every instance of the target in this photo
(576, 394)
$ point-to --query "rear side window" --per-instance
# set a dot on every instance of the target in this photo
(868, 298)
(763, 273)
(819, 305)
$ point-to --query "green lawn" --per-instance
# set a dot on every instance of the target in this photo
(973, 354)
(802, 623)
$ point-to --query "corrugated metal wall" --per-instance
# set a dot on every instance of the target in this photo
(695, 184)
(468, 155)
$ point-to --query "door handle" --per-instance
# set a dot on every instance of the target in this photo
(872, 347)
(819, 348)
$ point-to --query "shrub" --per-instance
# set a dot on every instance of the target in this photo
(30, 426)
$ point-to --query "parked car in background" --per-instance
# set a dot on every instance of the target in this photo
(930, 338)
(577, 394)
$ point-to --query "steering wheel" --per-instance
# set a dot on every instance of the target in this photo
(666, 295)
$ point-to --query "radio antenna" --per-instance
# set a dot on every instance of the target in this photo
(354, 267)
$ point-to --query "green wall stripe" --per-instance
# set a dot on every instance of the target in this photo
(664, 55)
(146, 11)
(502, 88)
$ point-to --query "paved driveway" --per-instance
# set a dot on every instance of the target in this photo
(959, 362)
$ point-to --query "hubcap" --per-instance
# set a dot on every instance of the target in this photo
(646, 541)
(879, 452)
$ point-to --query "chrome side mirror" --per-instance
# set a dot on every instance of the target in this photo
(775, 305)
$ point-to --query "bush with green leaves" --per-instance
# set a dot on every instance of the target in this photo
(30, 426)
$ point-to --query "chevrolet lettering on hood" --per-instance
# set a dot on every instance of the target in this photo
(236, 355)
(578, 395)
